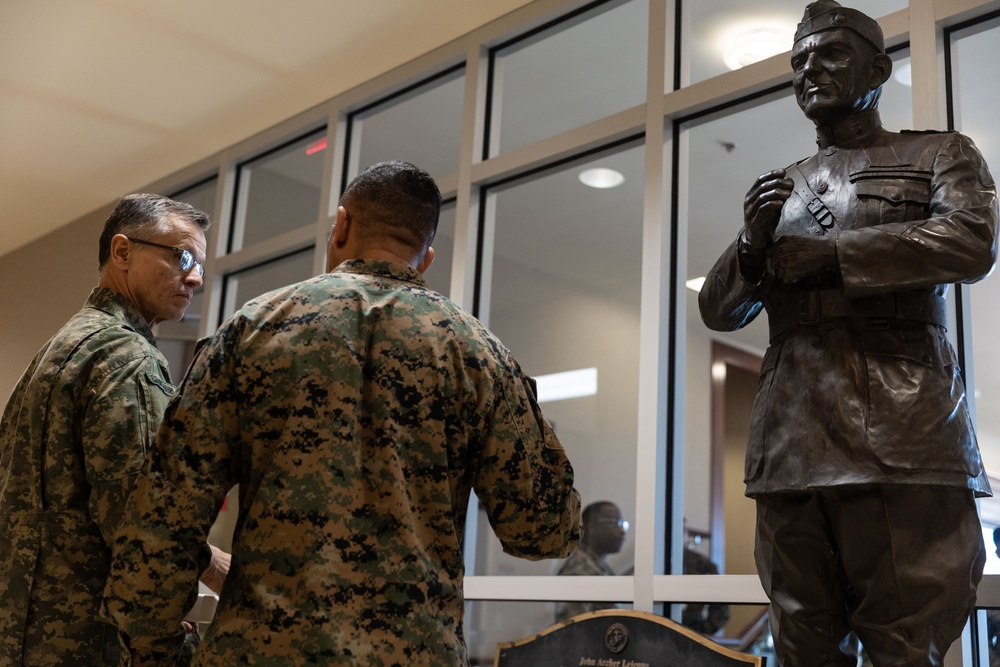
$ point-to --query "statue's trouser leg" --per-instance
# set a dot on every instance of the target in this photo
(898, 565)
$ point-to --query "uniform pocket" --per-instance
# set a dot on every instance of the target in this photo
(918, 415)
(894, 194)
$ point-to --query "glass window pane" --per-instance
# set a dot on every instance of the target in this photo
(279, 191)
(717, 32)
(565, 298)
(975, 107)
(245, 285)
(721, 156)
(438, 276)
(176, 339)
(422, 127)
(570, 75)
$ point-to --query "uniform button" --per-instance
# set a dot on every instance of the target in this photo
(822, 187)
(895, 196)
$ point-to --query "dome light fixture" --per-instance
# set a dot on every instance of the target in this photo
(601, 177)
(755, 45)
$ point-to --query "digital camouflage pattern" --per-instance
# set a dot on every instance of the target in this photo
(356, 411)
(584, 562)
(73, 436)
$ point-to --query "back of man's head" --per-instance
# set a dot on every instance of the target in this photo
(149, 213)
(394, 202)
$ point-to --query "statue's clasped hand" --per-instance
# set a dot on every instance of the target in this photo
(762, 207)
(794, 258)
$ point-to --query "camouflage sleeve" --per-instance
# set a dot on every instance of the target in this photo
(122, 412)
(524, 479)
(161, 546)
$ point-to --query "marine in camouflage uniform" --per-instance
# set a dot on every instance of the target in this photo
(604, 532)
(74, 434)
(356, 411)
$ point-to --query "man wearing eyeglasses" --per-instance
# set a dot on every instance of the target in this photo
(76, 430)
(604, 532)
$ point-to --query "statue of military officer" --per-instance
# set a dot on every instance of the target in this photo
(862, 457)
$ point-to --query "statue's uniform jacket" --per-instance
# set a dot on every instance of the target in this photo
(859, 384)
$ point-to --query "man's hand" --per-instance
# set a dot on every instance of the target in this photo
(796, 257)
(218, 568)
(762, 207)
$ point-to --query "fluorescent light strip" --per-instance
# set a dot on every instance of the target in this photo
(568, 384)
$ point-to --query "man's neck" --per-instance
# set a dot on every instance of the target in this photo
(855, 130)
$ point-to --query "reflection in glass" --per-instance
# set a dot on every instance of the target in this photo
(716, 35)
(250, 283)
(566, 278)
(975, 107)
(570, 75)
(279, 191)
(422, 127)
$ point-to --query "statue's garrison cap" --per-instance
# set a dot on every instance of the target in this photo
(829, 14)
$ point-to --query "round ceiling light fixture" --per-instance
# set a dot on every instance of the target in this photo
(755, 45)
(601, 177)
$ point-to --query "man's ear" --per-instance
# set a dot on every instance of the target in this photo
(881, 69)
(121, 251)
(427, 261)
(342, 229)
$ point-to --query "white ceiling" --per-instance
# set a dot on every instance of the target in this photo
(102, 97)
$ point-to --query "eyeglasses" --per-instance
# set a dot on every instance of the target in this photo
(621, 523)
(185, 256)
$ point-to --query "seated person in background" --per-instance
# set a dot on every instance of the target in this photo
(604, 533)
(704, 618)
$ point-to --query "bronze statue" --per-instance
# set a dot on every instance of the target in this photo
(862, 457)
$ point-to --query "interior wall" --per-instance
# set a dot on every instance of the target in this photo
(46, 282)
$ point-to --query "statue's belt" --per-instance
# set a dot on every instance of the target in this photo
(885, 311)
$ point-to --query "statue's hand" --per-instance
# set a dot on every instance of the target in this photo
(762, 207)
(794, 258)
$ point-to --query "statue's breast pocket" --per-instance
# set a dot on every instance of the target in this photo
(892, 194)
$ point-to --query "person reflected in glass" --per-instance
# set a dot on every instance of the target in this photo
(604, 532)
(704, 618)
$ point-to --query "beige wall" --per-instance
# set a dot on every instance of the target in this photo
(45, 282)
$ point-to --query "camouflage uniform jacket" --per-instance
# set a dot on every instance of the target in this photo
(584, 562)
(73, 436)
(356, 411)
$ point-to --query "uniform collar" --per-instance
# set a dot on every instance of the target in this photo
(116, 305)
(382, 269)
(857, 130)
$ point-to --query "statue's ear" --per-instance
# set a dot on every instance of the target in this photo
(881, 69)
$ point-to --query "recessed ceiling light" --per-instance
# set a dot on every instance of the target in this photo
(568, 384)
(600, 177)
(755, 45)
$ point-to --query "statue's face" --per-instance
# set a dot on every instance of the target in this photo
(832, 75)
